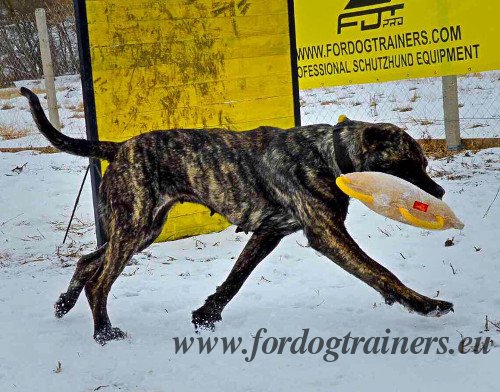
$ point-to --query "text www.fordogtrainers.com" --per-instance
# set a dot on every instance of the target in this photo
(330, 348)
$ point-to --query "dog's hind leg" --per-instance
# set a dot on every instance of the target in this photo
(257, 248)
(121, 247)
(88, 265)
(85, 269)
(134, 224)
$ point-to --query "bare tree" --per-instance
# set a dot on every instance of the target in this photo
(19, 51)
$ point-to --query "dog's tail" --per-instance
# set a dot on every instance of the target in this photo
(81, 147)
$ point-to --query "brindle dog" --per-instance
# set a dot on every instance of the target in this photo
(267, 181)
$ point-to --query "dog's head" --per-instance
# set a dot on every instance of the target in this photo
(387, 148)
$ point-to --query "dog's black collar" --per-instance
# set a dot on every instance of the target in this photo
(342, 157)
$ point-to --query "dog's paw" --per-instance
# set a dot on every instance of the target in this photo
(205, 319)
(64, 304)
(105, 335)
(420, 304)
(430, 307)
(437, 309)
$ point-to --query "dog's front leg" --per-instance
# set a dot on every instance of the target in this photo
(328, 235)
(257, 248)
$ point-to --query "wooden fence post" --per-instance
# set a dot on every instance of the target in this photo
(451, 115)
(48, 70)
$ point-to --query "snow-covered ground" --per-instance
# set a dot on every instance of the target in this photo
(294, 288)
(414, 104)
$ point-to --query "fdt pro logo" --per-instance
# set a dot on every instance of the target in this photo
(377, 8)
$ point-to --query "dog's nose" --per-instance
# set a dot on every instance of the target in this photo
(439, 193)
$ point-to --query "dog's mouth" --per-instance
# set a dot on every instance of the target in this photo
(436, 190)
(428, 185)
(439, 194)
(433, 189)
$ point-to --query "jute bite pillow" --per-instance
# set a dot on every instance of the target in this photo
(398, 199)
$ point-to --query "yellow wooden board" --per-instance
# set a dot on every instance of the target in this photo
(114, 11)
(151, 31)
(189, 64)
(161, 75)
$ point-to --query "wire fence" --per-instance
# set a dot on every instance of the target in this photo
(416, 105)
(19, 48)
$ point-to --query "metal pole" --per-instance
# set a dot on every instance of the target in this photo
(293, 55)
(89, 107)
(451, 115)
(48, 70)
